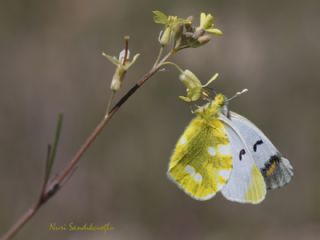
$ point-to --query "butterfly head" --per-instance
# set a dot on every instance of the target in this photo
(219, 100)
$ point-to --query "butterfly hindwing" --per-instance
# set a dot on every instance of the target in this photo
(275, 169)
(201, 163)
(246, 183)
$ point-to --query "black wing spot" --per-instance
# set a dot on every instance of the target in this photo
(273, 161)
(241, 153)
(256, 145)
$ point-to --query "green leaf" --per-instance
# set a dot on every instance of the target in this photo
(48, 165)
(214, 31)
(160, 17)
(132, 62)
(52, 150)
(113, 60)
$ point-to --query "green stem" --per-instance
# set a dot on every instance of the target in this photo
(109, 103)
(173, 64)
(159, 56)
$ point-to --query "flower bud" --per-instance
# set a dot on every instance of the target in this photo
(195, 90)
(206, 21)
(165, 37)
(122, 65)
(193, 86)
(117, 78)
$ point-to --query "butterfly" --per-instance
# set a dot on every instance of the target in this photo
(223, 151)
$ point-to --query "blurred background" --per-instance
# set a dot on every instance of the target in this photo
(50, 62)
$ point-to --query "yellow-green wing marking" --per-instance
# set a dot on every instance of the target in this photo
(201, 163)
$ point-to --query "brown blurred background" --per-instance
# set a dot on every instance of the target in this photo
(50, 62)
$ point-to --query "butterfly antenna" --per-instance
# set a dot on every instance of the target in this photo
(238, 94)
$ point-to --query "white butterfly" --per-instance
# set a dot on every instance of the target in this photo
(223, 151)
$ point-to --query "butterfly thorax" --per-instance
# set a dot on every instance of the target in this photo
(212, 109)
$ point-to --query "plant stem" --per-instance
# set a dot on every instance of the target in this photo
(21, 222)
(58, 182)
(159, 56)
(109, 103)
(173, 64)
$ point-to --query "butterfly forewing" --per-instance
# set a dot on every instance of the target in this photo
(201, 163)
